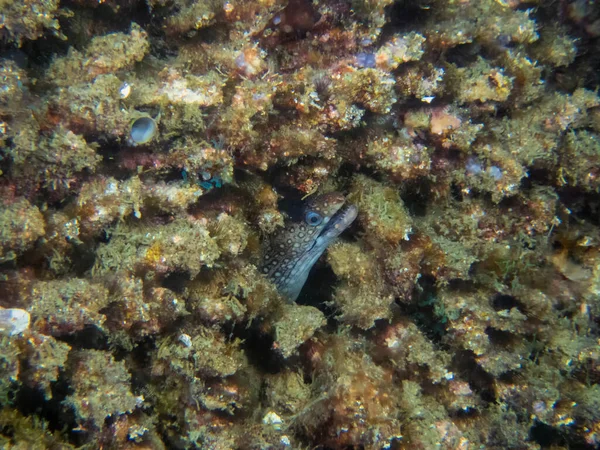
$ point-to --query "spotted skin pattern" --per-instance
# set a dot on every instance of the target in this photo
(293, 250)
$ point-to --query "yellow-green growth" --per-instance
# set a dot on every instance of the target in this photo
(27, 20)
(104, 54)
(54, 161)
(102, 386)
(480, 82)
(399, 156)
(380, 211)
(201, 353)
(64, 306)
(361, 298)
(46, 357)
(287, 393)
(21, 224)
(181, 245)
(31, 432)
(294, 325)
(580, 160)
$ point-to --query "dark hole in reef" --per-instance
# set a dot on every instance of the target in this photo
(291, 203)
(509, 202)
(464, 54)
(406, 14)
(389, 122)
(113, 156)
(545, 435)
(11, 52)
(583, 205)
(416, 196)
(91, 337)
(30, 402)
(60, 195)
(537, 176)
(587, 373)
(501, 302)
(104, 16)
(104, 237)
(454, 156)
(510, 376)
(176, 175)
(36, 55)
(557, 245)
(176, 281)
(139, 363)
(463, 413)
(209, 35)
(479, 380)
(548, 436)
(456, 192)
(258, 347)
(6, 162)
(82, 259)
(10, 393)
(426, 310)
(319, 288)
(500, 337)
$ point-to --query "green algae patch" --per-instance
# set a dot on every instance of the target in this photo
(361, 297)
(101, 385)
(480, 82)
(46, 358)
(29, 432)
(201, 352)
(380, 210)
(27, 20)
(294, 325)
(104, 54)
(62, 307)
(179, 246)
(21, 224)
(63, 154)
(9, 369)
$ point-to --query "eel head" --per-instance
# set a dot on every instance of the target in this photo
(293, 250)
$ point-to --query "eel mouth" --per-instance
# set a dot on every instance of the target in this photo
(338, 223)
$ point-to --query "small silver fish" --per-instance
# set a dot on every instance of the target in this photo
(293, 250)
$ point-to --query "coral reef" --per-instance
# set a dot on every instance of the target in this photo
(165, 163)
(101, 386)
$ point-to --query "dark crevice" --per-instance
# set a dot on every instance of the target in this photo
(91, 337)
(551, 437)
(501, 338)
(427, 311)
(479, 380)
(258, 347)
(502, 302)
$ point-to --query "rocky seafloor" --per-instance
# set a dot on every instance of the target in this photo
(149, 149)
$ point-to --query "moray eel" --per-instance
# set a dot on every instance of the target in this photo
(294, 249)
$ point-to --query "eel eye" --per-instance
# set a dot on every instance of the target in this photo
(313, 219)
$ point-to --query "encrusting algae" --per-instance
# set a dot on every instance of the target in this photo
(271, 224)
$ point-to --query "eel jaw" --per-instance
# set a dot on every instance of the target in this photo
(341, 220)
